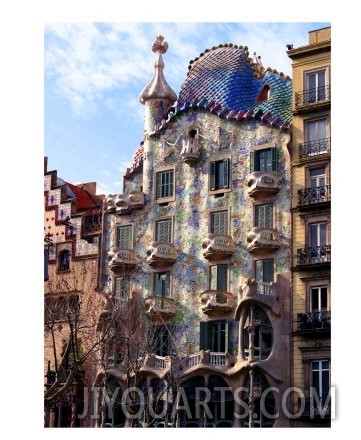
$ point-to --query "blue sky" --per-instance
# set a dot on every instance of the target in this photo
(94, 73)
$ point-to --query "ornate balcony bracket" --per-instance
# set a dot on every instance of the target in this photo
(122, 260)
(263, 183)
(263, 293)
(159, 308)
(122, 204)
(215, 302)
(218, 247)
(263, 240)
(161, 254)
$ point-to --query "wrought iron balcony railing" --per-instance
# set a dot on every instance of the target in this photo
(314, 255)
(314, 407)
(315, 148)
(312, 196)
(313, 96)
(313, 321)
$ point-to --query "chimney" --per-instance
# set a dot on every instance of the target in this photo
(45, 164)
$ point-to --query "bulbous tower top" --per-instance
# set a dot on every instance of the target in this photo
(158, 87)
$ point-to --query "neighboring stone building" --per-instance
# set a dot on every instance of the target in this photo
(72, 230)
(311, 227)
(201, 235)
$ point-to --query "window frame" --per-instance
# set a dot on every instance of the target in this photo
(206, 330)
(170, 280)
(312, 219)
(217, 280)
(168, 219)
(306, 87)
(117, 234)
(211, 221)
(168, 198)
(271, 221)
(212, 187)
(309, 355)
(263, 270)
(122, 300)
(311, 283)
(61, 248)
(313, 166)
(254, 163)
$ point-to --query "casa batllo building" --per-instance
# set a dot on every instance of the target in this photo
(201, 238)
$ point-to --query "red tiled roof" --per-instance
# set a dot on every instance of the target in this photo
(85, 200)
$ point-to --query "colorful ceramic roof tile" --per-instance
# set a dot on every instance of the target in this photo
(225, 81)
(137, 160)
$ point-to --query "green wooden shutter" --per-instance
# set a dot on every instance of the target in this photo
(159, 185)
(219, 222)
(259, 270)
(274, 159)
(213, 175)
(163, 231)
(213, 277)
(226, 173)
(264, 216)
(222, 272)
(268, 270)
(171, 183)
(269, 216)
(203, 335)
(124, 237)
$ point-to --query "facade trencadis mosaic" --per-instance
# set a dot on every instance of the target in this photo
(207, 202)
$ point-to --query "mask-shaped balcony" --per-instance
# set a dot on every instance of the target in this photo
(215, 302)
(190, 150)
(161, 254)
(263, 240)
(124, 203)
(159, 308)
(263, 184)
(218, 247)
(121, 260)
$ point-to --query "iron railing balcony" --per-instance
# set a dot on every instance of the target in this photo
(313, 321)
(314, 148)
(314, 255)
(313, 96)
(312, 196)
(314, 407)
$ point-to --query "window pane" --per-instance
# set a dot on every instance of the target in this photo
(219, 222)
(323, 299)
(222, 277)
(317, 177)
(164, 182)
(162, 284)
(163, 231)
(264, 216)
(318, 234)
(314, 299)
(124, 237)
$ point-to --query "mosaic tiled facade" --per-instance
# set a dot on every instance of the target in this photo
(207, 202)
